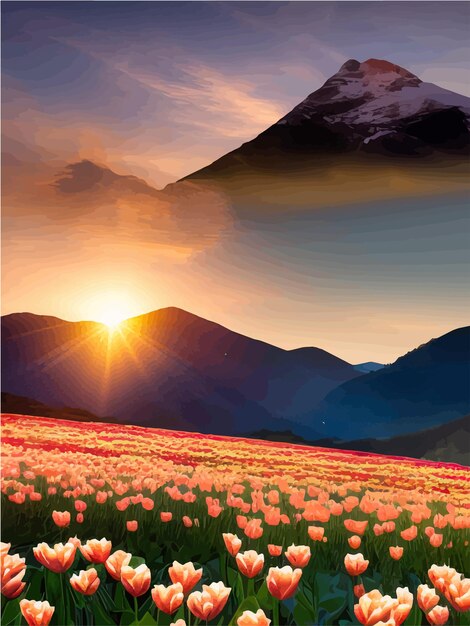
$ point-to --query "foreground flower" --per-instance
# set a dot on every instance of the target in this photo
(86, 582)
(404, 605)
(441, 576)
(168, 599)
(209, 602)
(427, 598)
(373, 608)
(96, 550)
(115, 562)
(355, 564)
(438, 616)
(135, 581)
(185, 574)
(58, 559)
(61, 518)
(248, 618)
(283, 581)
(250, 563)
(298, 556)
(36, 613)
(13, 569)
(458, 593)
(232, 543)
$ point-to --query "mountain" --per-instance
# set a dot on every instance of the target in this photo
(373, 131)
(447, 443)
(168, 368)
(428, 386)
(370, 366)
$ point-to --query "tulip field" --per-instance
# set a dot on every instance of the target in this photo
(110, 524)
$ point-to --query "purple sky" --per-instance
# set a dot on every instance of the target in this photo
(159, 89)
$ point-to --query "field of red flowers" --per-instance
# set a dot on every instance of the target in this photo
(110, 524)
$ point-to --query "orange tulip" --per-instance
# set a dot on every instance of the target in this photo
(4, 548)
(248, 618)
(58, 559)
(458, 593)
(274, 550)
(436, 540)
(242, 521)
(404, 605)
(79, 518)
(253, 529)
(409, 533)
(36, 613)
(165, 516)
(427, 598)
(86, 582)
(61, 518)
(232, 543)
(187, 521)
(440, 576)
(373, 608)
(359, 590)
(429, 530)
(298, 556)
(438, 616)
(354, 542)
(283, 581)
(115, 562)
(209, 602)
(185, 574)
(355, 564)
(96, 550)
(250, 563)
(132, 525)
(135, 580)
(168, 599)
(356, 527)
(179, 622)
(12, 571)
(80, 506)
(396, 552)
(316, 533)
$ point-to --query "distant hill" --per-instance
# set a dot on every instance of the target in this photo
(20, 405)
(168, 368)
(426, 387)
(447, 443)
(370, 366)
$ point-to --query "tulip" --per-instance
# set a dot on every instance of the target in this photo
(274, 550)
(438, 616)
(355, 564)
(427, 598)
(396, 552)
(168, 599)
(36, 613)
(115, 562)
(405, 604)
(298, 556)
(96, 550)
(242, 521)
(316, 533)
(179, 622)
(429, 530)
(86, 582)
(185, 574)
(4, 548)
(61, 518)
(80, 506)
(12, 571)
(166, 516)
(409, 533)
(79, 518)
(354, 542)
(253, 529)
(458, 593)
(440, 576)
(356, 527)
(135, 580)
(75, 541)
(359, 590)
(250, 563)
(58, 559)
(436, 540)
(132, 525)
(248, 618)
(373, 608)
(209, 602)
(187, 521)
(282, 582)
(232, 543)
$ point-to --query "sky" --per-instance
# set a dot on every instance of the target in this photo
(159, 89)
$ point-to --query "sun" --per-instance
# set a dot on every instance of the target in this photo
(112, 309)
(112, 319)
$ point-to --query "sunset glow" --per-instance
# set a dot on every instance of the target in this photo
(111, 309)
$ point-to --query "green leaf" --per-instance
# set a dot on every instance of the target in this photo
(304, 611)
(11, 611)
(147, 620)
(120, 599)
(264, 598)
(248, 604)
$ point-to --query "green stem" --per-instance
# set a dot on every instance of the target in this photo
(136, 609)
(251, 587)
(275, 612)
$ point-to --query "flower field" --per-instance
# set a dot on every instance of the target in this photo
(111, 524)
